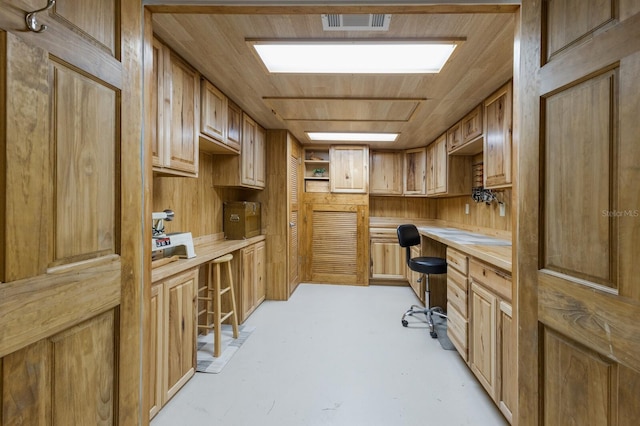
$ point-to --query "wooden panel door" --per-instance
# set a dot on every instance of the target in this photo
(387, 260)
(497, 139)
(482, 336)
(259, 157)
(260, 288)
(72, 198)
(155, 360)
(247, 281)
(440, 167)
(507, 361)
(234, 125)
(158, 126)
(577, 242)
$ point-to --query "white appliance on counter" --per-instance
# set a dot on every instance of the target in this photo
(175, 243)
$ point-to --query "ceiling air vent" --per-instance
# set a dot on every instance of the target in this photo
(356, 22)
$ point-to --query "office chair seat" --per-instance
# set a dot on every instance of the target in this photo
(428, 265)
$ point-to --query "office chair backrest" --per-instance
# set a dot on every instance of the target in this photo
(408, 235)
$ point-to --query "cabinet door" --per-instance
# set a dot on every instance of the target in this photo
(179, 331)
(234, 125)
(508, 370)
(415, 164)
(155, 359)
(260, 289)
(158, 126)
(349, 171)
(454, 137)
(416, 279)
(213, 112)
(387, 260)
(247, 153)
(182, 86)
(497, 140)
(385, 177)
(247, 281)
(471, 125)
(482, 337)
(431, 169)
(440, 165)
(259, 157)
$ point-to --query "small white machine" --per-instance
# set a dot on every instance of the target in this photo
(176, 243)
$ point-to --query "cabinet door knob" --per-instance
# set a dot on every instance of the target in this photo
(291, 224)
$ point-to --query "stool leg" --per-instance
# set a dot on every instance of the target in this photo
(217, 344)
(234, 316)
(209, 314)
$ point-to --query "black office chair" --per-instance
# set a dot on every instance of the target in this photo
(408, 236)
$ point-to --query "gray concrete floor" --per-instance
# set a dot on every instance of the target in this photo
(336, 355)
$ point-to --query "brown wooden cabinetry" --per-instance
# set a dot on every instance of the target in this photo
(491, 342)
(349, 171)
(251, 290)
(172, 336)
(234, 125)
(497, 139)
(415, 164)
(416, 279)
(175, 145)
(388, 261)
(247, 169)
(216, 136)
(457, 301)
(471, 126)
(385, 177)
(447, 175)
(454, 137)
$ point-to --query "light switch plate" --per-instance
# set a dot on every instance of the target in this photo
(466, 209)
(503, 209)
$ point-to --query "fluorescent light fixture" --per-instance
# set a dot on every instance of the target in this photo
(352, 56)
(352, 137)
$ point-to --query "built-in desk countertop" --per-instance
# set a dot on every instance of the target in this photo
(494, 248)
(205, 252)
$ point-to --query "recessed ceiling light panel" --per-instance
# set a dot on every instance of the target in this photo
(354, 56)
(352, 136)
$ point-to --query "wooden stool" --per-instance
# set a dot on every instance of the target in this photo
(213, 310)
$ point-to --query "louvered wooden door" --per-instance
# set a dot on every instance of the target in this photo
(70, 169)
(579, 204)
(338, 244)
(294, 208)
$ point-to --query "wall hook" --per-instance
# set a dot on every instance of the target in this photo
(31, 19)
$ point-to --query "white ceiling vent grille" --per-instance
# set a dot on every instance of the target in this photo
(356, 22)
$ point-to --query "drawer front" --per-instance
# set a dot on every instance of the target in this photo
(459, 279)
(457, 260)
(498, 281)
(457, 328)
(457, 297)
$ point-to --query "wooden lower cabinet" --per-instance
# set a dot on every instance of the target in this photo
(252, 289)
(388, 259)
(173, 350)
(492, 346)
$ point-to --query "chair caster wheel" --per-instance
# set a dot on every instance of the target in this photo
(433, 334)
(405, 323)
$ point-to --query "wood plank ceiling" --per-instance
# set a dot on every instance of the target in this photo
(420, 106)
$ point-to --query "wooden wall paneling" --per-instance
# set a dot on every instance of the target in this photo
(403, 207)
(480, 215)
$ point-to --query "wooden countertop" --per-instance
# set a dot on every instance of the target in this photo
(494, 246)
(206, 251)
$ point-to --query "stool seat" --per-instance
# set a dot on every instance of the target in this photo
(428, 265)
(222, 259)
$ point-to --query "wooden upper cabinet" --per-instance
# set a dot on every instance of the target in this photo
(385, 177)
(497, 140)
(471, 126)
(213, 113)
(178, 87)
(234, 125)
(447, 175)
(454, 137)
(349, 172)
(415, 164)
(246, 170)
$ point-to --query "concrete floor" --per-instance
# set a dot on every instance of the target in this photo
(336, 355)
